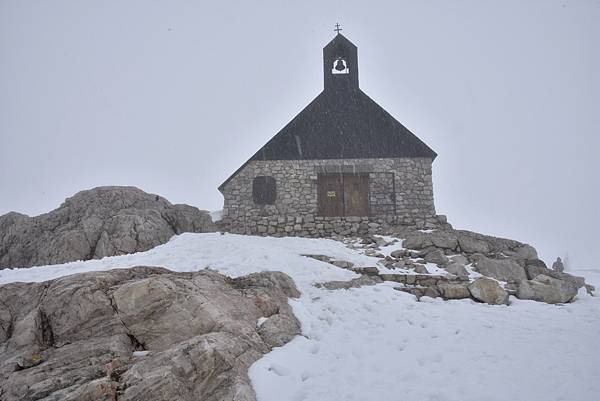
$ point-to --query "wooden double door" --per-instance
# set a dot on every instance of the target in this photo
(343, 194)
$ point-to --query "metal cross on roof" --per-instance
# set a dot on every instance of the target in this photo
(337, 28)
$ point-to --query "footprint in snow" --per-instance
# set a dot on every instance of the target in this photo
(279, 370)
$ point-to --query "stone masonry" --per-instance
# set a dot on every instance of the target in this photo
(400, 193)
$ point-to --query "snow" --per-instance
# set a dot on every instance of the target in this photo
(216, 215)
(376, 343)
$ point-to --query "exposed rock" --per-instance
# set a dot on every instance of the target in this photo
(460, 259)
(536, 262)
(398, 253)
(437, 257)
(320, 258)
(424, 280)
(399, 263)
(443, 290)
(489, 291)
(278, 330)
(140, 334)
(368, 239)
(368, 270)
(100, 222)
(354, 283)
(535, 270)
(421, 269)
(500, 269)
(419, 291)
(454, 290)
(374, 253)
(457, 269)
(431, 291)
(590, 289)
(417, 240)
(444, 239)
(547, 289)
(524, 252)
(575, 281)
(342, 264)
(470, 244)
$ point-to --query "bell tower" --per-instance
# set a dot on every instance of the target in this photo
(340, 64)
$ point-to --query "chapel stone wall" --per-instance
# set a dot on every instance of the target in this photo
(400, 193)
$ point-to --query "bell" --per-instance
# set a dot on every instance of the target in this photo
(339, 65)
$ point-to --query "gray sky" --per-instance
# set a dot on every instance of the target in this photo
(173, 96)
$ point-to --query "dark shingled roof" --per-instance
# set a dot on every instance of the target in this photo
(342, 122)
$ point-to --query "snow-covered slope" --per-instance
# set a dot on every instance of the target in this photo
(376, 343)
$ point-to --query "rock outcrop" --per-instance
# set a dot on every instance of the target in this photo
(501, 269)
(547, 289)
(489, 291)
(104, 221)
(469, 265)
(143, 333)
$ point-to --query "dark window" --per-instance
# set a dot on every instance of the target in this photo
(264, 190)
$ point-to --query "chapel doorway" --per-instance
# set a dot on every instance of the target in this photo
(343, 194)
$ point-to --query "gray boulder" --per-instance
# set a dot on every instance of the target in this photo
(575, 281)
(445, 239)
(421, 269)
(535, 270)
(453, 290)
(140, 334)
(104, 221)
(417, 240)
(500, 269)
(536, 262)
(460, 259)
(399, 253)
(470, 244)
(457, 269)
(524, 252)
(437, 257)
(547, 289)
(489, 291)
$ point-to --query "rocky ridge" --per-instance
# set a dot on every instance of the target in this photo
(92, 224)
(143, 333)
(467, 265)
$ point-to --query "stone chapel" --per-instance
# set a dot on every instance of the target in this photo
(343, 166)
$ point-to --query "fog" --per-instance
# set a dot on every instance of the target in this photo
(172, 97)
